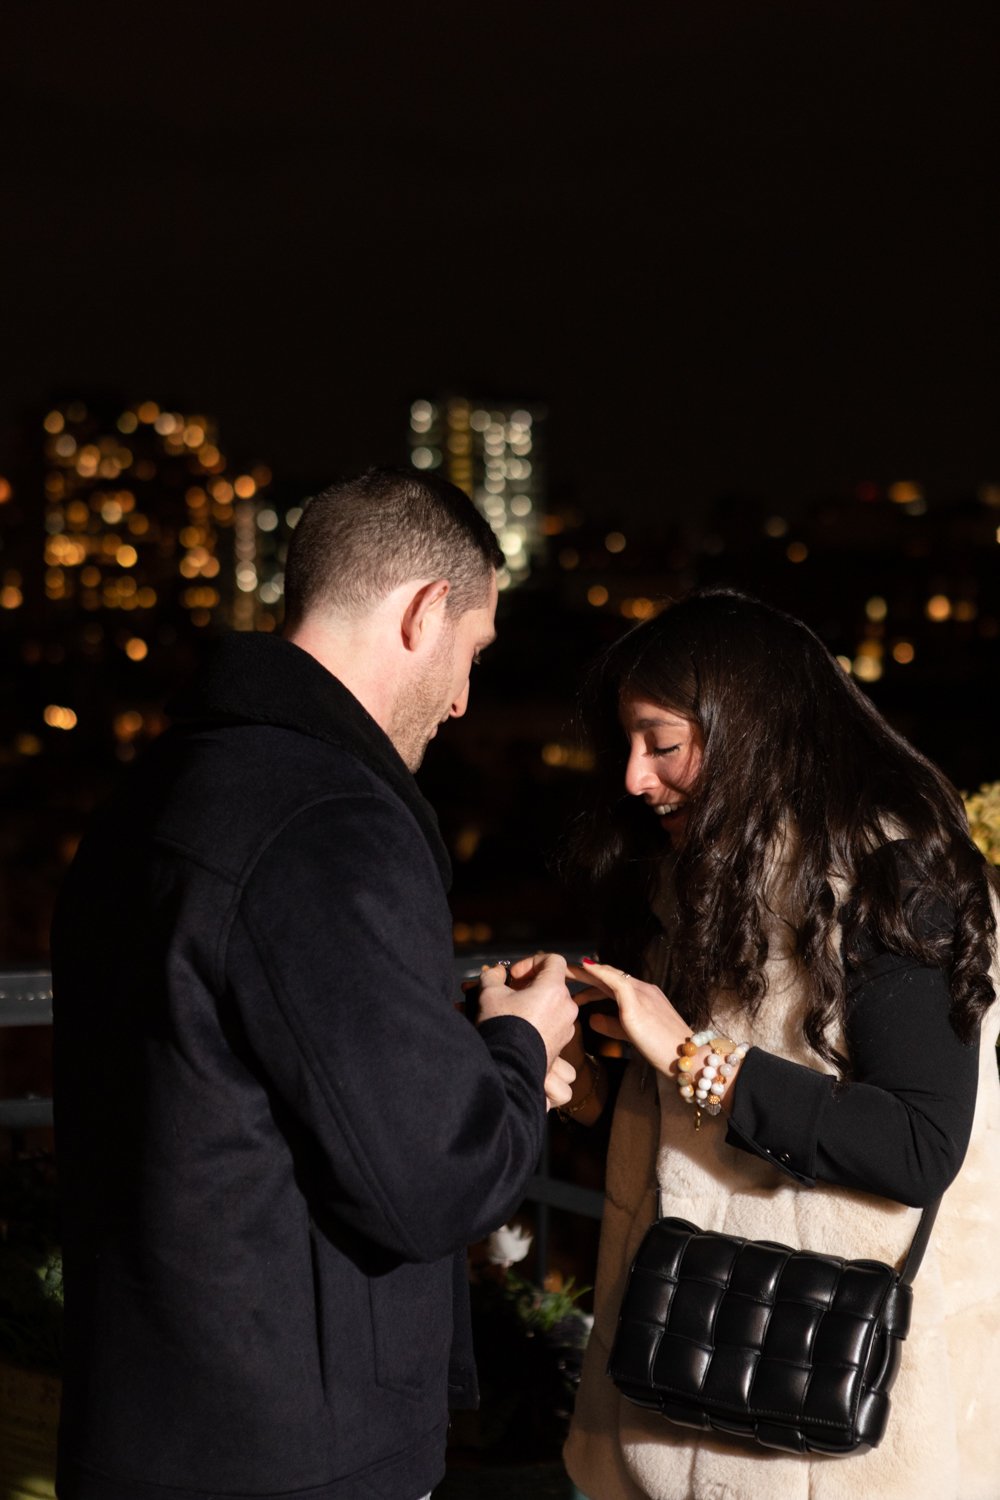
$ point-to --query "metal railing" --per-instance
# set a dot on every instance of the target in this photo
(25, 1000)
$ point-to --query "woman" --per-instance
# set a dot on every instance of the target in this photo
(797, 877)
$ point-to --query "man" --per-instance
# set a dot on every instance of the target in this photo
(276, 1132)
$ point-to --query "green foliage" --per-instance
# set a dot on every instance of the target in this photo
(31, 1284)
(536, 1310)
(529, 1347)
(31, 1308)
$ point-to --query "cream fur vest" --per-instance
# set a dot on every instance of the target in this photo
(943, 1438)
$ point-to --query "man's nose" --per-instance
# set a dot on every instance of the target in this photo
(460, 704)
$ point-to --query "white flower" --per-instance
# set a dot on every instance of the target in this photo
(507, 1245)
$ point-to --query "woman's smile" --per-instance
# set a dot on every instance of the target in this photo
(665, 751)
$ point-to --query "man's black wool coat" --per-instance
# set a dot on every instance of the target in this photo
(276, 1134)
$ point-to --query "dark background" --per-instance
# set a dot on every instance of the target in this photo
(734, 244)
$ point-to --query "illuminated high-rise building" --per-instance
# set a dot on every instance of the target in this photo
(143, 516)
(150, 539)
(273, 524)
(494, 452)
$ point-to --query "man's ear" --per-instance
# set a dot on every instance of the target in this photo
(424, 615)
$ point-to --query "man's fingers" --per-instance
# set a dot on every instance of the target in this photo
(541, 999)
(533, 965)
(557, 1092)
(537, 964)
(563, 1070)
(524, 968)
(493, 974)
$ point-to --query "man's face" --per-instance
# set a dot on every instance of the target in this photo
(441, 691)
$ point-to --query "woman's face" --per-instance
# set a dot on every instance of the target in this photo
(664, 759)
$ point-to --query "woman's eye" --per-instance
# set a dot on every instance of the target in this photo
(664, 749)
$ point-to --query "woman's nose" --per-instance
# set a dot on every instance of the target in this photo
(639, 775)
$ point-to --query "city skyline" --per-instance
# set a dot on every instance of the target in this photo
(213, 538)
(901, 587)
(132, 531)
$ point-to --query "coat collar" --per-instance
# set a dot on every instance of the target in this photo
(264, 679)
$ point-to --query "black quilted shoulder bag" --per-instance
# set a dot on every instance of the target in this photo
(785, 1348)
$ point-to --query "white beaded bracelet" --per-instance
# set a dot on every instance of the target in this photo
(705, 1089)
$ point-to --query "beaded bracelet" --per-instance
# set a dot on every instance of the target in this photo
(705, 1089)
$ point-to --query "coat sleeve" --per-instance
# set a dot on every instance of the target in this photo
(339, 965)
(901, 1126)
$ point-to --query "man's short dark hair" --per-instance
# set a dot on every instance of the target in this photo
(363, 537)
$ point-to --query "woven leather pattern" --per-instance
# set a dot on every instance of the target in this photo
(791, 1349)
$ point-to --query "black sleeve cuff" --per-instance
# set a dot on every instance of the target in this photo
(770, 1092)
(510, 1037)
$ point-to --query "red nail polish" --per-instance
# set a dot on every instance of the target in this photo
(587, 960)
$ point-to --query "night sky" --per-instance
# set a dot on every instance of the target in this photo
(734, 245)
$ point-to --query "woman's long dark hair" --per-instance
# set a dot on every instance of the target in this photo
(795, 758)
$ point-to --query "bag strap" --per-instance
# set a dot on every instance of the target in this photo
(918, 1244)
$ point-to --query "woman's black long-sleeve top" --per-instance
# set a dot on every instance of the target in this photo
(900, 1128)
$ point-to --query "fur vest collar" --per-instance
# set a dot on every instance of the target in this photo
(943, 1441)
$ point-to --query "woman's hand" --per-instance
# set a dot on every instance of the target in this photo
(645, 1017)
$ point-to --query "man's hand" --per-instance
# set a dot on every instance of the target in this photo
(559, 1084)
(537, 993)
